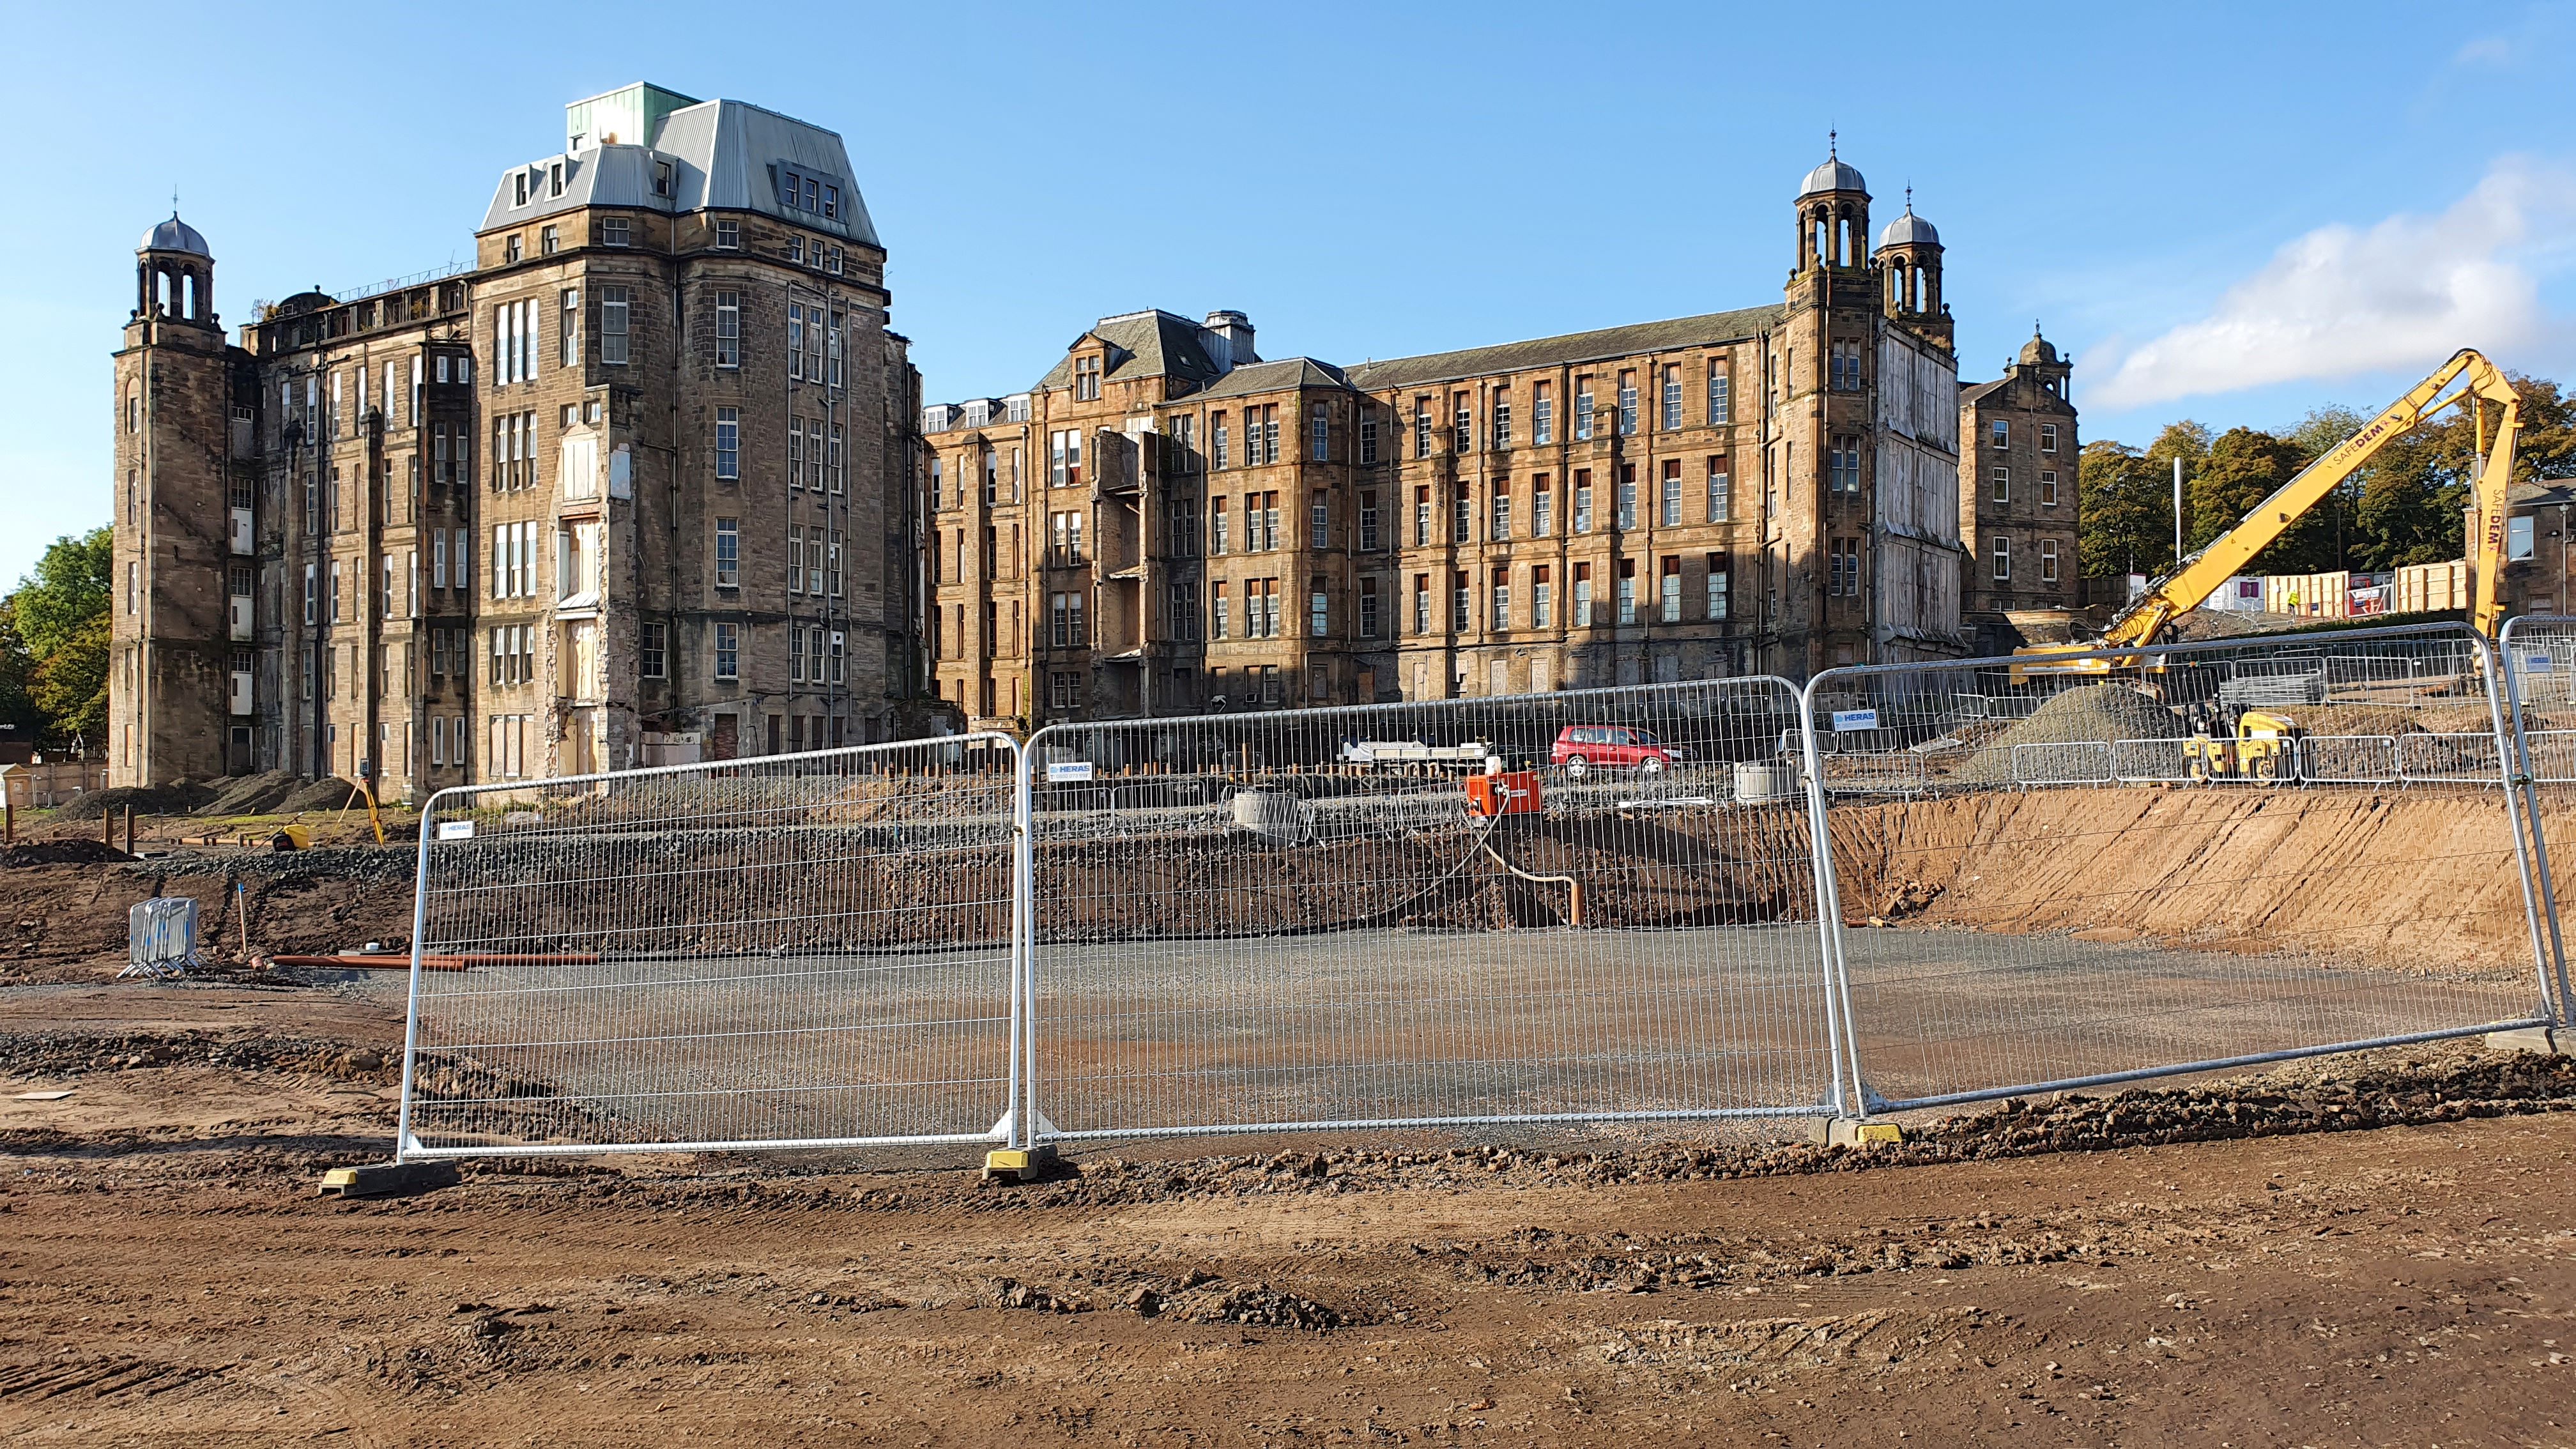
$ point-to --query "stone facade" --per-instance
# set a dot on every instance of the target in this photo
(1167, 522)
(182, 645)
(636, 488)
(2020, 509)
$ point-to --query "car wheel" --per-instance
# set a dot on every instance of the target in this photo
(1652, 764)
(1575, 765)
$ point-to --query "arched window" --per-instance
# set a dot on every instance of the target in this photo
(1842, 239)
(161, 301)
(188, 287)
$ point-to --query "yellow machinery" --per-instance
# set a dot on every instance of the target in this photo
(2480, 384)
(2254, 745)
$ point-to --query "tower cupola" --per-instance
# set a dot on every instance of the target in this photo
(174, 275)
(1833, 214)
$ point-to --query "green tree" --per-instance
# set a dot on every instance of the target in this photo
(69, 687)
(2245, 466)
(2128, 521)
(17, 677)
(54, 646)
(69, 588)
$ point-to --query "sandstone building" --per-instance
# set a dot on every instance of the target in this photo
(1167, 521)
(2019, 511)
(636, 486)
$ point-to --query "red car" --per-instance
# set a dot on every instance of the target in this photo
(1611, 747)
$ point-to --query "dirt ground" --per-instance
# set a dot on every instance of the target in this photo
(2364, 1251)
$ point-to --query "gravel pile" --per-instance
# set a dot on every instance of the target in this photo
(393, 862)
(2092, 713)
(62, 1054)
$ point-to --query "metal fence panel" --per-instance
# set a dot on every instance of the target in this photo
(2449, 758)
(2540, 684)
(2140, 762)
(797, 950)
(2065, 762)
(1310, 918)
(2001, 940)
(2349, 759)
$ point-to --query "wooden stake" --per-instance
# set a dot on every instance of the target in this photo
(129, 830)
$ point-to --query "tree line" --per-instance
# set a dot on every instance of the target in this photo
(2404, 507)
(54, 646)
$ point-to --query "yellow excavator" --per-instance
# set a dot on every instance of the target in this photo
(2480, 384)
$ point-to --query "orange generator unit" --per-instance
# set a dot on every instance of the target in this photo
(1512, 792)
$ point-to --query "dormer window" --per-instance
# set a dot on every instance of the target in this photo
(614, 231)
(519, 194)
(554, 179)
(661, 178)
(1086, 379)
(800, 192)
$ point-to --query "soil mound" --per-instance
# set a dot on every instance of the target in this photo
(173, 799)
(320, 795)
(62, 852)
(2093, 713)
(253, 794)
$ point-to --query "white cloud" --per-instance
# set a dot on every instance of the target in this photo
(2339, 301)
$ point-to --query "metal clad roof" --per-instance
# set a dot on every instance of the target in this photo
(721, 153)
(175, 235)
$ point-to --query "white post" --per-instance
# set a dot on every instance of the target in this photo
(2177, 510)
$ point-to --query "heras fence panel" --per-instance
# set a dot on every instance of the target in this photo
(1590, 905)
(2000, 939)
(2540, 677)
(796, 950)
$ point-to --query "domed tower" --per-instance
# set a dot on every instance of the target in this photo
(170, 690)
(1833, 215)
(1822, 363)
(2040, 363)
(1909, 254)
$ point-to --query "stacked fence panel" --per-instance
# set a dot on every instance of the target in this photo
(1590, 905)
(2133, 919)
(800, 949)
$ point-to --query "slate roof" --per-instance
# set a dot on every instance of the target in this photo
(1144, 344)
(1279, 375)
(1573, 347)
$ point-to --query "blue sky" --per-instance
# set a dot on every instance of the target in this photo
(2230, 212)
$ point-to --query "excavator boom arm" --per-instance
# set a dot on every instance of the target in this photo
(2200, 575)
